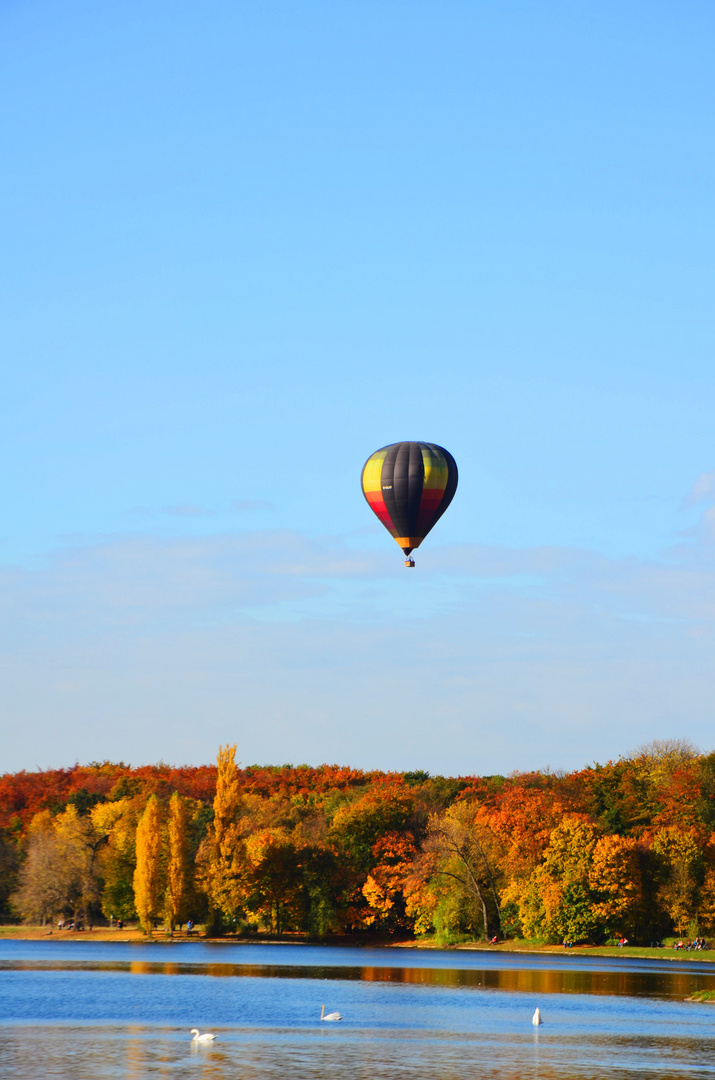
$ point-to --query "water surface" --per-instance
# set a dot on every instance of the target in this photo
(90, 1011)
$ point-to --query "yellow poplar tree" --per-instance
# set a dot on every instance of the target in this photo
(223, 875)
(228, 792)
(147, 873)
(177, 887)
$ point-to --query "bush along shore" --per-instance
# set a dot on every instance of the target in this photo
(619, 857)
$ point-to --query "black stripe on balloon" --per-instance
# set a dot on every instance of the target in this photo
(415, 484)
(407, 482)
(388, 485)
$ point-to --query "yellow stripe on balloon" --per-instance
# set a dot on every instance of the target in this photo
(372, 473)
(436, 469)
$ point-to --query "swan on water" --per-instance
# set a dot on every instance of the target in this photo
(330, 1016)
(536, 1018)
(206, 1037)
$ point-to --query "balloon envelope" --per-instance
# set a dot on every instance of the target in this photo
(409, 485)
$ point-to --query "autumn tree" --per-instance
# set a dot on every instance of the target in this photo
(681, 861)
(61, 873)
(356, 827)
(706, 892)
(556, 901)
(118, 821)
(659, 759)
(321, 886)
(42, 889)
(656, 773)
(9, 862)
(147, 876)
(271, 880)
(522, 818)
(426, 896)
(178, 872)
(81, 842)
(384, 889)
(616, 883)
(705, 805)
(467, 854)
(623, 847)
(223, 868)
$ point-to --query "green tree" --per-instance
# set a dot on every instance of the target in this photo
(467, 851)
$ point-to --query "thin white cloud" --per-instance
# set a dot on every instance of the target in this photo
(703, 490)
(481, 659)
(187, 510)
(153, 576)
(250, 506)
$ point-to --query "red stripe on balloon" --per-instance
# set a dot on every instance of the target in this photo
(429, 504)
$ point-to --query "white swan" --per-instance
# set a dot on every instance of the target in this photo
(536, 1018)
(330, 1016)
(206, 1037)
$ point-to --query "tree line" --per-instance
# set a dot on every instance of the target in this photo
(621, 849)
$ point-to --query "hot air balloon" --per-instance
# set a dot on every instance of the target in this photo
(409, 485)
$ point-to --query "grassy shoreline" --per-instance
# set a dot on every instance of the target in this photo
(627, 951)
(133, 934)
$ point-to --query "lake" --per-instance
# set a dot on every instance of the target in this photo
(90, 1011)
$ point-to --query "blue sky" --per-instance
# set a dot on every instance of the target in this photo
(247, 244)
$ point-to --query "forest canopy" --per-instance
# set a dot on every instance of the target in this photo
(624, 849)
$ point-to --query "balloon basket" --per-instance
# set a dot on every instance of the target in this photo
(409, 562)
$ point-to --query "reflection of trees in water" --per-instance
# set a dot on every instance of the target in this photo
(549, 980)
(136, 1062)
(541, 980)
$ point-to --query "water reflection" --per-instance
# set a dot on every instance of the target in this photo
(136, 1063)
(626, 982)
